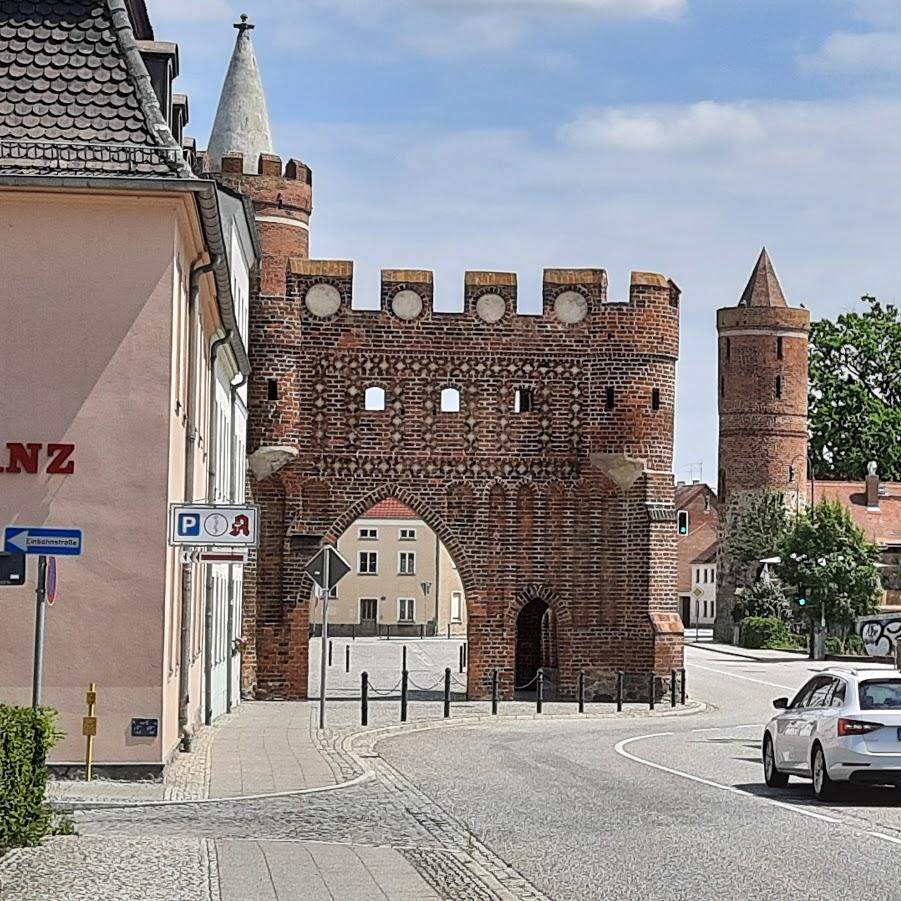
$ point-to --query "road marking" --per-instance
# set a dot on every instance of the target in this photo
(720, 672)
(620, 749)
(888, 838)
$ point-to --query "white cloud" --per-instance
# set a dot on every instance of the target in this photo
(661, 128)
(873, 51)
(612, 8)
(191, 10)
(883, 13)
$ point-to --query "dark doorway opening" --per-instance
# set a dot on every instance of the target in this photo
(536, 647)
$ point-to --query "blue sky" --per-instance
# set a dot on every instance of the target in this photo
(670, 135)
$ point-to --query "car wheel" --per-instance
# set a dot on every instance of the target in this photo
(823, 787)
(772, 776)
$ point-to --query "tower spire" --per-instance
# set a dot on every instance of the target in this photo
(242, 119)
(763, 289)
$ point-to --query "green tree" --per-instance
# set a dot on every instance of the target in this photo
(753, 533)
(855, 393)
(829, 554)
(767, 600)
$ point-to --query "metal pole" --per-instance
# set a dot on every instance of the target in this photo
(683, 686)
(330, 652)
(89, 741)
(403, 665)
(347, 658)
(448, 631)
(539, 694)
(364, 698)
(404, 676)
(495, 691)
(208, 648)
(461, 658)
(447, 688)
(672, 688)
(581, 692)
(322, 668)
(619, 692)
(39, 626)
(653, 690)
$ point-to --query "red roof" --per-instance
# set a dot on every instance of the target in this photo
(883, 525)
(390, 509)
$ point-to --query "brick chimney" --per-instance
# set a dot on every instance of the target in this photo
(872, 487)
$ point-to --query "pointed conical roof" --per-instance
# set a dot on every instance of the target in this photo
(763, 289)
(242, 119)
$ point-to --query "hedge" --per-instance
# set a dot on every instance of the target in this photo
(26, 736)
(767, 632)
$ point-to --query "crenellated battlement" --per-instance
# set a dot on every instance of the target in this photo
(572, 299)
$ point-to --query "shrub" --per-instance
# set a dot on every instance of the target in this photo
(765, 632)
(854, 645)
(26, 736)
(834, 645)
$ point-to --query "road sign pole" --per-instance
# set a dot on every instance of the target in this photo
(322, 667)
(39, 623)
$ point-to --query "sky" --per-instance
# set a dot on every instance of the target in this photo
(674, 136)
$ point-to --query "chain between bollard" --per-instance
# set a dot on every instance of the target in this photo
(364, 698)
(495, 691)
(447, 691)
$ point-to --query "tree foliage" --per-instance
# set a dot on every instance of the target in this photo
(755, 532)
(828, 554)
(855, 393)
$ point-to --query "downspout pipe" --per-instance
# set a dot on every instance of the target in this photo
(187, 572)
(212, 455)
(233, 499)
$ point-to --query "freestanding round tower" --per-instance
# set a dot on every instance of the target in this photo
(762, 386)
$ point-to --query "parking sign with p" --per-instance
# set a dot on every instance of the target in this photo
(214, 525)
(188, 525)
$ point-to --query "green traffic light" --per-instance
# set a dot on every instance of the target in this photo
(802, 602)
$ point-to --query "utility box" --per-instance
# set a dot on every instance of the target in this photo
(12, 569)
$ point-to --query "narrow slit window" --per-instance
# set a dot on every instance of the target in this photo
(655, 399)
(779, 349)
(778, 386)
(272, 389)
(450, 400)
(722, 387)
(524, 402)
(375, 398)
(610, 399)
(728, 348)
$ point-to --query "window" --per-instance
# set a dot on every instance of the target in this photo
(713, 609)
(450, 400)
(368, 534)
(610, 399)
(804, 696)
(705, 608)
(655, 399)
(524, 401)
(375, 398)
(408, 534)
(837, 698)
(791, 474)
(880, 694)
(406, 610)
(456, 607)
(705, 575)
(728, 348)
(369, 563)
(820, 694)
(369, 610)
(778, 386)
(406, 563)
(272, 389)
(779, 350)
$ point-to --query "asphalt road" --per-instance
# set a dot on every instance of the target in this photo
(637, 810)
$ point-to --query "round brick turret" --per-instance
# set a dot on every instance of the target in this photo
(762, 386)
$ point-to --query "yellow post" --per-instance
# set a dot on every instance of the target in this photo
(89, 730)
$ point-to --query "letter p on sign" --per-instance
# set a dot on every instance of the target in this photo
(188, 525)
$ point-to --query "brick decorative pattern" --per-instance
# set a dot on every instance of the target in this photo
(569, 501)
(763, 372)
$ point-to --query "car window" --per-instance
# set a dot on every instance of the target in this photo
(837, 698)
(821, 693)
(880, 694)
(802, 696)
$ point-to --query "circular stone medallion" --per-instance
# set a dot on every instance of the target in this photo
(323, 300)
(571, 307)
(491, 307)
(406, 304)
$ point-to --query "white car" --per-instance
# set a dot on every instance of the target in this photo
(843, 726)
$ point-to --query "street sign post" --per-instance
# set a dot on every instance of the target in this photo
(214, 525)
(39, 625)
(326, 569)
(40, 540)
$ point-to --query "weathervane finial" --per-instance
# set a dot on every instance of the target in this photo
(244, 25)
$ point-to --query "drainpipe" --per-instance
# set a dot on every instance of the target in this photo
(233, 498)
(187, 581)
(212, 453)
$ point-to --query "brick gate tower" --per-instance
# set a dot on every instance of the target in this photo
(763, 364)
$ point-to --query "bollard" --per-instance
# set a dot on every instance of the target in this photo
(581, 692)
(672, 688)
(364, 698)
(495, 691)
(404, 659)
(539, 693)
(653, 691)
(347, 659)
(619, 692)
(448, 631)
(461, 658)
(447, 687)
(330, 652)
(404, 677)
(683, 686)
(421, 631)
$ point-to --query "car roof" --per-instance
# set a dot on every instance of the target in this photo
(864, 671)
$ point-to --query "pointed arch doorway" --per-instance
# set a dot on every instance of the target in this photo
(536, 647)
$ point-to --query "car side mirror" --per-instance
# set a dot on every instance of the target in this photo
(780, 703)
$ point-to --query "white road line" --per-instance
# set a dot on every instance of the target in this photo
(620, 749)
(888, 838)
(720, 672)
(727, 728)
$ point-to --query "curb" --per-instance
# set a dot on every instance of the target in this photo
(795, 655)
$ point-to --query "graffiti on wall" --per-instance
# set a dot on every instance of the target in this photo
(880, 633)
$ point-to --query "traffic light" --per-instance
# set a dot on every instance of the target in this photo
(803, 596)
(683, 522)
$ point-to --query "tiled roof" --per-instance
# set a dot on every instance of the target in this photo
(882, 526)
(390, 509)
(763, 289)
(75, 97)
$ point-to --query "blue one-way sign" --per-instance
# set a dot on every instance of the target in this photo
(35, 540)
